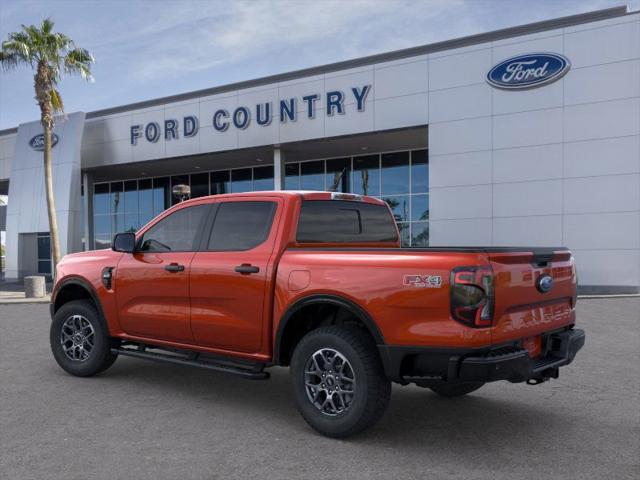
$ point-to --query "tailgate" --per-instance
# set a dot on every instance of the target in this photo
(535, 292)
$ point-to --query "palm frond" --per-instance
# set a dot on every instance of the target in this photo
(51, 54)
(9, 61)
(56, 101)
(47, 26)
(19, 46)
(79, 61)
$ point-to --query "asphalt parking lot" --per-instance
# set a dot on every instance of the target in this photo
(146, 420)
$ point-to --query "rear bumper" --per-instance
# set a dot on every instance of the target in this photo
(426, 366)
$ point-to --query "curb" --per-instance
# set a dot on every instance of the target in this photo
(19, 301)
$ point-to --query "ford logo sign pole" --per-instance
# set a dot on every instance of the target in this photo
(37, 142)
(528, 71)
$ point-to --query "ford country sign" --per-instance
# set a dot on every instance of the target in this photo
(528, 71)
(37, 142)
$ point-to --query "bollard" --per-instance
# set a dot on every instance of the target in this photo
(34, 287)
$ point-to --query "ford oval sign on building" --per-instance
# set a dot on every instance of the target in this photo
(528, 71)
(37, 142)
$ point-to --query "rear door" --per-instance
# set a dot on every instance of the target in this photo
(152, 284)
(230, 273)
(534, 292)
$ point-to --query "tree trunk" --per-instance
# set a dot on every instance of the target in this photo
(43, 86)
(51, 202)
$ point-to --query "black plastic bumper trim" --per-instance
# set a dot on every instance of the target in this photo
(483, 364)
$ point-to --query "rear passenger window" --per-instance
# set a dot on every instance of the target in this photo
(337, 221)
(241, 225)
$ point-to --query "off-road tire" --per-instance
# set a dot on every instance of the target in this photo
(456, 389)
(100, 357)
(372, 389)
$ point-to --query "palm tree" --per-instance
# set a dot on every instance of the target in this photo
(50, 54)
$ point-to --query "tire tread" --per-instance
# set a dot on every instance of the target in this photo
(379, 391)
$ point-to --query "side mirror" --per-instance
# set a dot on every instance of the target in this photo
(124, 242)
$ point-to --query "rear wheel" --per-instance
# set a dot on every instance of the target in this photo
(79, 340)
(456, 389)
(338, 381)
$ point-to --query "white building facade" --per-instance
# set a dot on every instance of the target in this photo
(523, 136)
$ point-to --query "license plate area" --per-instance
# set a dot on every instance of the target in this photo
(533, 345)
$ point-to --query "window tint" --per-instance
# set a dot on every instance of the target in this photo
(175, 233)
(241, 225)
(344, 221)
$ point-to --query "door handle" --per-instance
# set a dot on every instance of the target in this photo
(174, 267)
(247, 268)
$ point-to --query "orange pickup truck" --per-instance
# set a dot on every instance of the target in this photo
(316, 281)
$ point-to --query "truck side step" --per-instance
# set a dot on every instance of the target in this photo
(251, 371)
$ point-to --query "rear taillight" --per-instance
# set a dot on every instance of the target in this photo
(472, 296)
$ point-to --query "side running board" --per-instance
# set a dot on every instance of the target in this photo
(249, 370)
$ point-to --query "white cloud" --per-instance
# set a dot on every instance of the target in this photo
(185, 39)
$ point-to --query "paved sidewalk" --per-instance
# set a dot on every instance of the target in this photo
(14, 293)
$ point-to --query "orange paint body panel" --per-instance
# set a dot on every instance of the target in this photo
(211, 307)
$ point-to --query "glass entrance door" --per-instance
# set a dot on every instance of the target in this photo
(44, 253)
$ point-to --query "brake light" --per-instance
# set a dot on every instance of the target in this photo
(346, 196)
(472, 296)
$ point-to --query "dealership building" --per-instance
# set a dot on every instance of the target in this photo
(528, 135)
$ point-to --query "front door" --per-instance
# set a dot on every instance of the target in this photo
(152, 284)
(229, 276)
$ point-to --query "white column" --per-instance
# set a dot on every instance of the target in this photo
(87, 219)
(278, 169)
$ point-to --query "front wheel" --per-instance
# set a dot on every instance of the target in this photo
(338, 381)
(79, 340)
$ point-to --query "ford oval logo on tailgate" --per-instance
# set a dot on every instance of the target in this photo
(544, 283)
(528, 71)
(37, 142)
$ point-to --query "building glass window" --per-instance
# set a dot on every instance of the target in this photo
(400, 178)
(131, 206)
(312, 175)
(161, 195)
(399, 206)
(83, 238)
(420, 234)
(263, 178)
(101, 199)
(405, 236)
(292, 176)
(419, 171)
(44, 253)
(366, 175)
(241, 180)
(199, 185)
(419, 208)
(145, 200)
(395, 173)
(102, 215)
(338, 175)
(220, 182)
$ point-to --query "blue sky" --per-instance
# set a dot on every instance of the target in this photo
(149, 49)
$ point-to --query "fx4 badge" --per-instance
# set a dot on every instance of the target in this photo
(423, 281)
